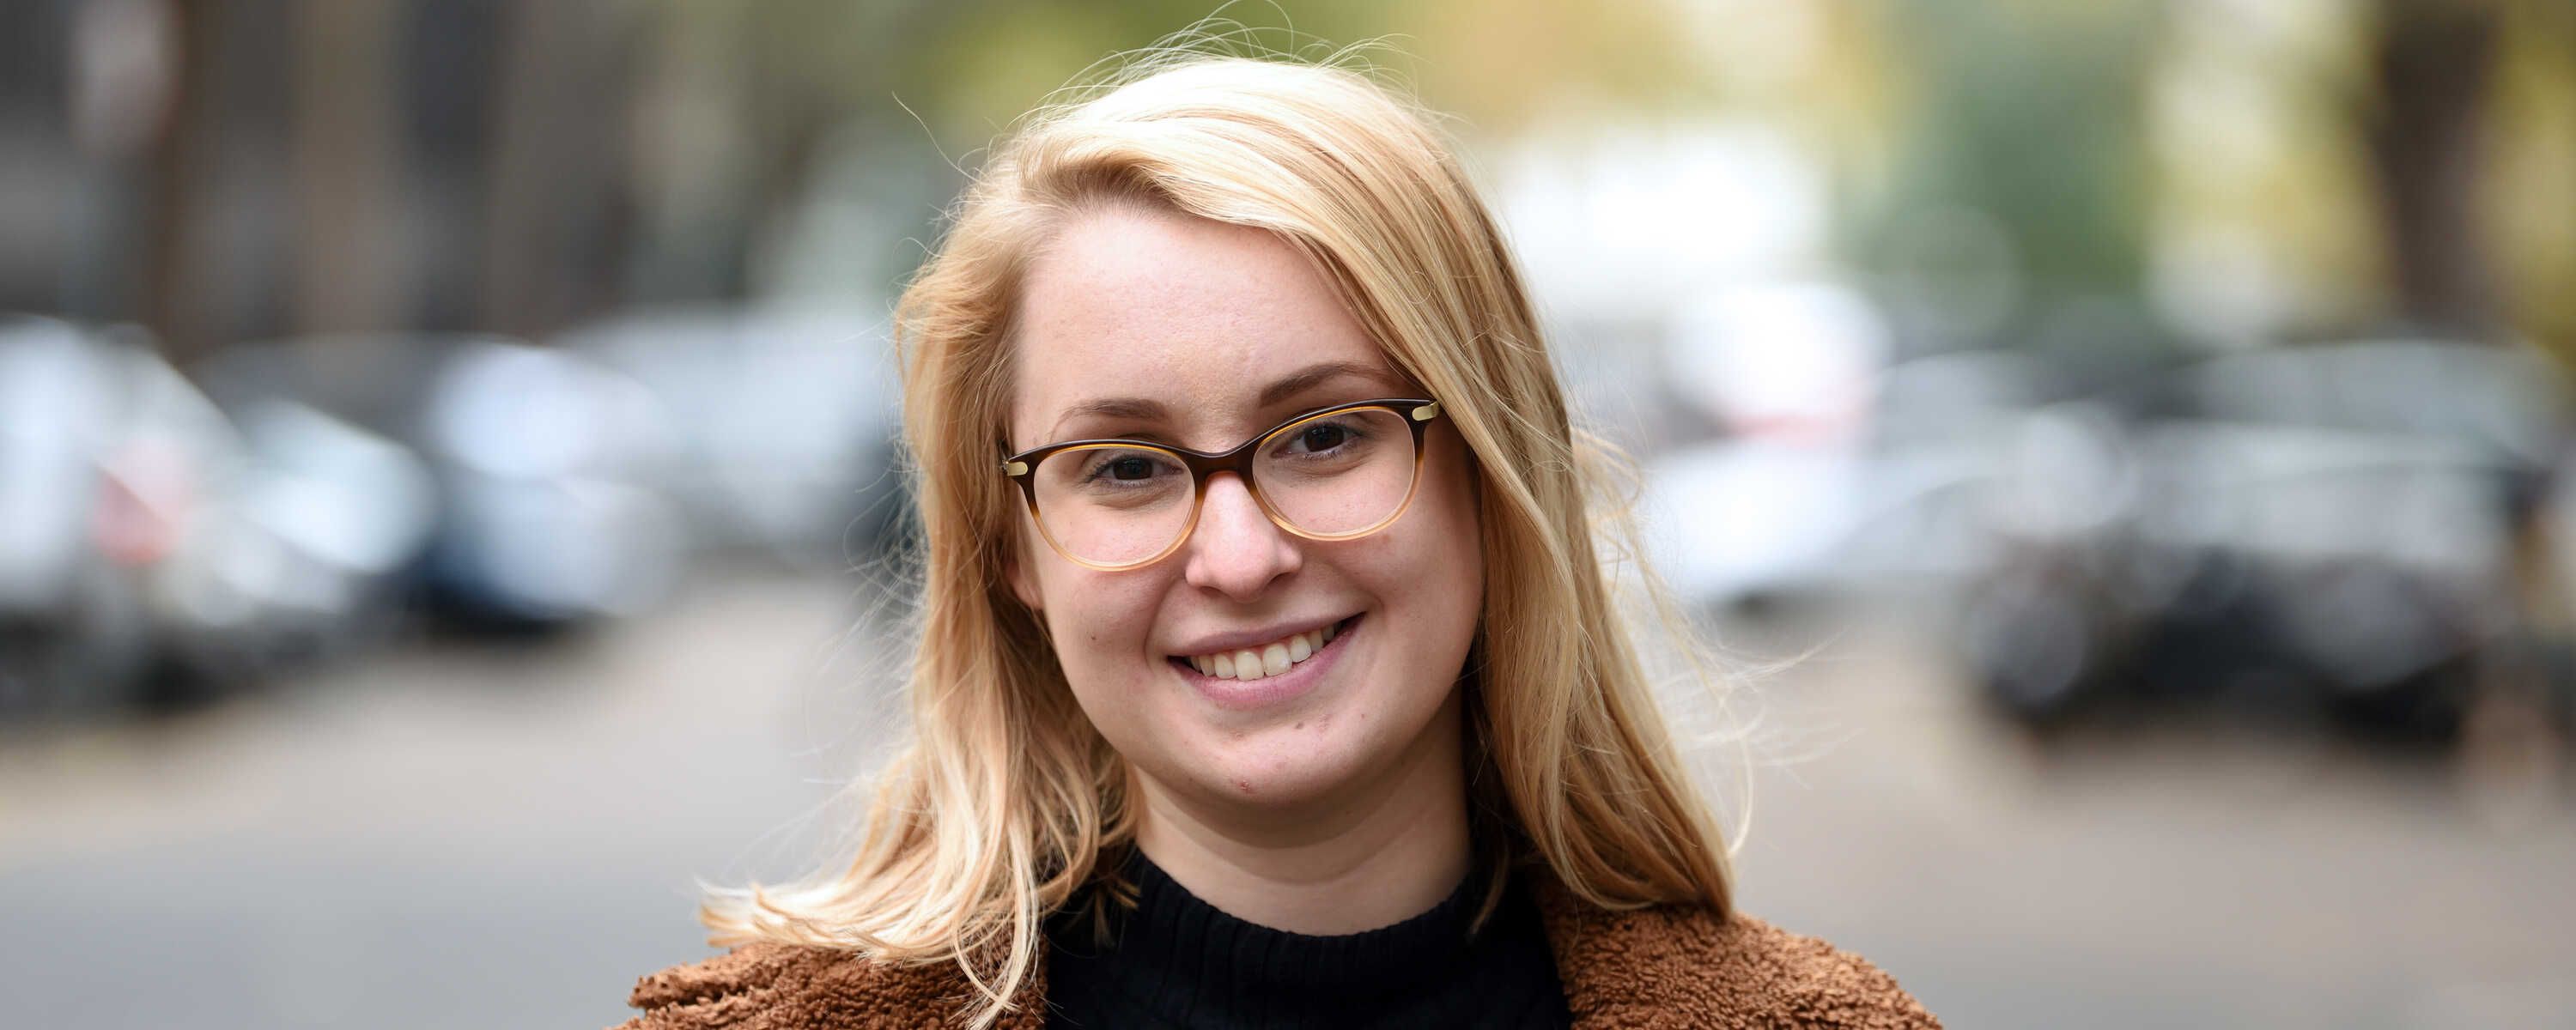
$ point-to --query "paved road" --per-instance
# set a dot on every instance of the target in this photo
(454, 836)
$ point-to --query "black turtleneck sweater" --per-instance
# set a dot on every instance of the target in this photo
(1176, 961)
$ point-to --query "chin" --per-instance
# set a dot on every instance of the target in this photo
(1300, 760)
(1285, 764)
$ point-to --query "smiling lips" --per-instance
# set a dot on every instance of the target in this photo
(1269, 659)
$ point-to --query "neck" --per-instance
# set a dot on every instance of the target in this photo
(1372, 854)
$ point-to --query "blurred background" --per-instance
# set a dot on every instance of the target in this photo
(445, 502)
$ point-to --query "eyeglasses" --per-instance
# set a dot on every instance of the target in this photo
(1336, 473)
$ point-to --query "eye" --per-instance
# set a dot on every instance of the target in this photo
(1127, 468)
(1320, 437)
(1130, 467)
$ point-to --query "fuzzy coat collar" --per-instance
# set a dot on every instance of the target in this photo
(1657, 967)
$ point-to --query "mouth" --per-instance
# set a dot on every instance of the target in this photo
(1263, 661)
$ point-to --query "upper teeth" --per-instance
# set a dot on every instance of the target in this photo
(1269, 659)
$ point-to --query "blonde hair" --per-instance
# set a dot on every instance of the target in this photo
(1002, 805)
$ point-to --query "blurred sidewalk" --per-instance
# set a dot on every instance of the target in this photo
(2157, 875)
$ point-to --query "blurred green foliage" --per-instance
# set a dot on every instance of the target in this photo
(2027, 112)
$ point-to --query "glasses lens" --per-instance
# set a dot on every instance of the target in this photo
(1111, 505)
(1343, 473)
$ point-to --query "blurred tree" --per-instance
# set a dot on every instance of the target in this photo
(176, 296)
(557, 178)
(2433, 62)
(347, 272)
(448, 57)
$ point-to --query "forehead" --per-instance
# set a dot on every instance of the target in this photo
(1196, 315)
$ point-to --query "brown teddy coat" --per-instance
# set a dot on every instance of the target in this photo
(1659, 967)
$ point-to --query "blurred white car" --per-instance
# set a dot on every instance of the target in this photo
(785, 422)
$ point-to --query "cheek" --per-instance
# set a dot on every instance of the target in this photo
(1098, 621)
(1432, 562)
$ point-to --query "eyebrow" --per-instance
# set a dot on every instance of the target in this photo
(1148, 409)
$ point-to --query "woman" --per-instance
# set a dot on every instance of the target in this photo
(1268, 674)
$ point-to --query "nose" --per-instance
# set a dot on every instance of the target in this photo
(1236, 550)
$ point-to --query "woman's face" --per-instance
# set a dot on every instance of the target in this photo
(1155, 326)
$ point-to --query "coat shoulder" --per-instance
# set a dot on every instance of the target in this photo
(1673, 966)
(792, 987)
(1815, 983)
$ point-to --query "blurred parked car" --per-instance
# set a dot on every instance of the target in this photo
(548, 505)
(1889, 485)
(1784, 377)
(786, 422)
(118, 483)
(2329, 526)
(305, 558)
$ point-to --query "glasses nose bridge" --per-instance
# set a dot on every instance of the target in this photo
(1204, 468)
